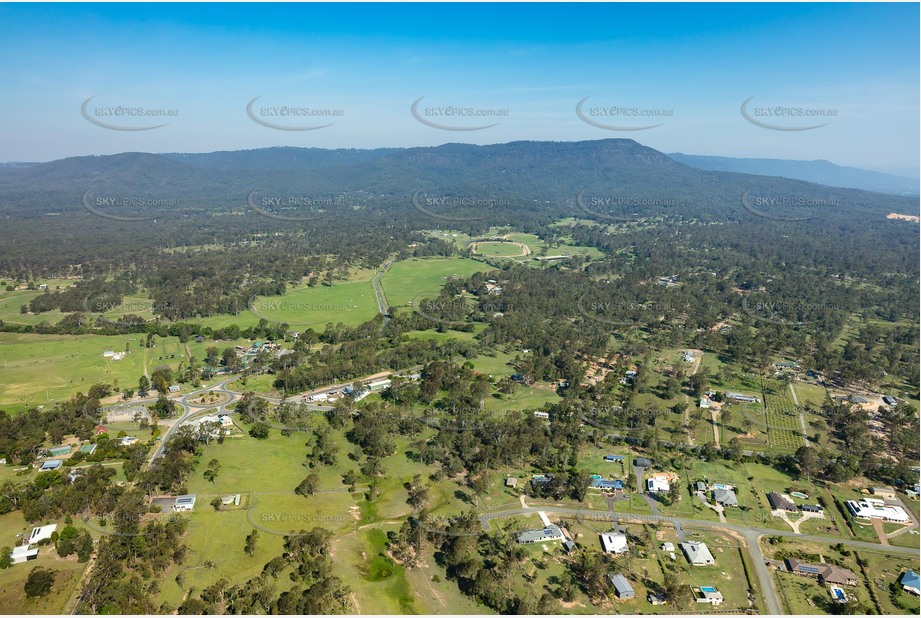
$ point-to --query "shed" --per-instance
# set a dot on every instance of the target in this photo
(511, 481)
(51, 464)
(622, 588)
(642, 462)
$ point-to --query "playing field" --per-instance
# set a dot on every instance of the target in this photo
(408, 279)
(499, 249)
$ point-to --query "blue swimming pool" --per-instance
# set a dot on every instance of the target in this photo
(707, 589)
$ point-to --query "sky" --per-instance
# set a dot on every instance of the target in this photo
(671, 76)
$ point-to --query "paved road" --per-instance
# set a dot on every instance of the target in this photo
(751, 535)
(379, 291)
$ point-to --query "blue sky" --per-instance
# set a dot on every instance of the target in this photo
(535, 61)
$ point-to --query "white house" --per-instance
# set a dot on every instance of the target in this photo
(41, 533)
(184, 503)
(657, 484)
(870, 508)
(707, 594)
(614, 543)
(22, 553)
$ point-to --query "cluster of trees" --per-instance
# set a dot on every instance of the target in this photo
(129, 559)
(314, 589)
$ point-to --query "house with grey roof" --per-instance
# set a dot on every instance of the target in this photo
(726, 497)
(550, 533)
(697, 553)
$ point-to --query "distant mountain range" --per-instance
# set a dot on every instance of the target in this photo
(540, 179)
(820, 172)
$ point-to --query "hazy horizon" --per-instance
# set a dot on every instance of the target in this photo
(674, 79)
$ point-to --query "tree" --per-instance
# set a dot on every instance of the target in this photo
(259, 430)
(39, 582)
(309, 485)
(214, 467)
(250, 546)
(5, 560)
(84, 546)
(216, 503)
(674, 493)
(143, 386)
(676, 593)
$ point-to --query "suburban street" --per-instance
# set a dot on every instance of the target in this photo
(751, 535)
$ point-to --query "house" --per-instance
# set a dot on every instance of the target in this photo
(569, 545)
(59, 451)
(802, 568)
(550, 533)
(700, 486)
(786, 365)
(889, 401)
(870, 508)
(41, 533)
(667, 546)
(707, 594)
(617, 458)
(541, 479)
(127, 440)
(89, 449)
(657, 484)
(611, 485)
(225, 420)
(184, 503)
(51, 464)
(697, 553)
(831, 574)
(622, 588)
(780, 502)
(883, 492)
(910, 582)
(811, 508)
(642, 462)
(22, 553)
(725, 497)
(705, 403)
(614, 543)
(511, 481)
(100, 429)
(688, 357)
(174, 388)
(858, 399)
(539, 414)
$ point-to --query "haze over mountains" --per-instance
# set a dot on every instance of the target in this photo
(538, 176)
(820, 172)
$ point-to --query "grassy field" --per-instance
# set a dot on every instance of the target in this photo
(39, 369)
(498, 249)
(13, 599)
(408, 279)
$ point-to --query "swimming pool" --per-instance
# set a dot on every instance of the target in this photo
(707, 589)
(721, 486)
